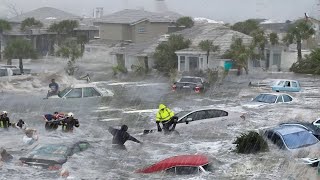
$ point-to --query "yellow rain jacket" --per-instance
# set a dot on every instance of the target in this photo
(164, 113)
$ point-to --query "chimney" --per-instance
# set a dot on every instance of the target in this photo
(98, 13)
(161, 6)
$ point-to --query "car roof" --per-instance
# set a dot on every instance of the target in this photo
(276, 93)
(306, 125)
(285, 80)
(82, 85)
(182, 160)
(191, 77)
(284, 130)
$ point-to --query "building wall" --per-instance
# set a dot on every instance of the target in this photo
(290, 57)
(145, 31)
(111, 31)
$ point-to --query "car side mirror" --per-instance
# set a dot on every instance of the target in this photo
(188, 120)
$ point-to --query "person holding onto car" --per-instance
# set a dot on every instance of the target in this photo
(69, 123)
(4, 120)
(167, 118)
(54, 88)
(120, 136)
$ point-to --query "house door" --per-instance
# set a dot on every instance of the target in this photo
(193, 63)
(120, 60)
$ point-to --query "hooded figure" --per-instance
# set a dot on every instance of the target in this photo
(69, 122)
(121, 136)
(166, 117)
(4, 120)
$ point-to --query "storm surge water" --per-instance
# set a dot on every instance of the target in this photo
(135, 104)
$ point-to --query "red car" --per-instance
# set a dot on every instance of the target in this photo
(184, 164)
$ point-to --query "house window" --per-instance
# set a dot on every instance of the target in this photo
(141, 29)
(182, 63)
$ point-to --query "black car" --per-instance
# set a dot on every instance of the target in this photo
(52, 156)
(308, 126)
(190, 83)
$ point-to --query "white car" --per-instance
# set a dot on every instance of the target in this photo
(205, 117)
(83, 91)
(269, 98)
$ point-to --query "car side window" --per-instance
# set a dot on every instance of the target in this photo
(171, 170)
(184, 170)
(90, 92)
(192, 116)
(75, 93)
(287, 84)
(294, 84)
(280, 83)
(277, 140)
(279, 100)
(200, 115)
(287, 98)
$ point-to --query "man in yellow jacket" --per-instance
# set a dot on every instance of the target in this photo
(166, 117)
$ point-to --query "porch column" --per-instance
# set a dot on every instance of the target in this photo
(179, 68)
(187, 63)
(271, 59)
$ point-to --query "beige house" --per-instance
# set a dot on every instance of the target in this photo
(194, 59)
(135, 25)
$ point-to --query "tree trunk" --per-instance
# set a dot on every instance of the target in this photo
(246, 69)
(208, 59)
(21, 65)
(9, 61)
(299, 50)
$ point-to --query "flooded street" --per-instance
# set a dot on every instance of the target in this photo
(135, 104)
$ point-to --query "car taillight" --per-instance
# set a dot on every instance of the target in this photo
(197, 89)
(54, 167)
(174, 87)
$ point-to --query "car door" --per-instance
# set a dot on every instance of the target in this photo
(295, 86)
(287, 99)
(279, 99)
(74, 93)
(90, 92)
(195, 117)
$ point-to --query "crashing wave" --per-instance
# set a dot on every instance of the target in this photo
(206, 20)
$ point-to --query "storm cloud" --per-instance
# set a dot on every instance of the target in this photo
(225, 10)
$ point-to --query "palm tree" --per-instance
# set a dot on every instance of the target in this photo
(21, 49)
(300, 30)
(240, 53)
(70, 50)
(4, 26)
(65, 28)
(30, 22)
(208, 46)
(259, 40)
(273, 38)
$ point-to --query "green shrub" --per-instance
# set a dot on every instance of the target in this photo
(121, 69)
(212, 76)
(252, 142)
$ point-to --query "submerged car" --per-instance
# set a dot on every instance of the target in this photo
(181, 165)
(286, 85)
(269, 98)
(52, 156)
(190, 83)
(82, 91)
(291, 137)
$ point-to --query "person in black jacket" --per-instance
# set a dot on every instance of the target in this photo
(4, 120)
(69, 122)
(121, 136)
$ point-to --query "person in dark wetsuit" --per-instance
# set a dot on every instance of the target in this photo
(121, 136)
(69, 122)
(4, 120)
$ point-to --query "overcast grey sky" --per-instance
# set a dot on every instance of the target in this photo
(225, 10)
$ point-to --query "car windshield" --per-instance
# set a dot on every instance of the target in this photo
(63, 92)
(51, 151)
(192, 80)
(265, 98)
(182, 113)
(299, 139)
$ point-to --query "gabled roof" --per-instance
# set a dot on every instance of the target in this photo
(219, 34)
(184, 160)
(131, 16)
(46, 15)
